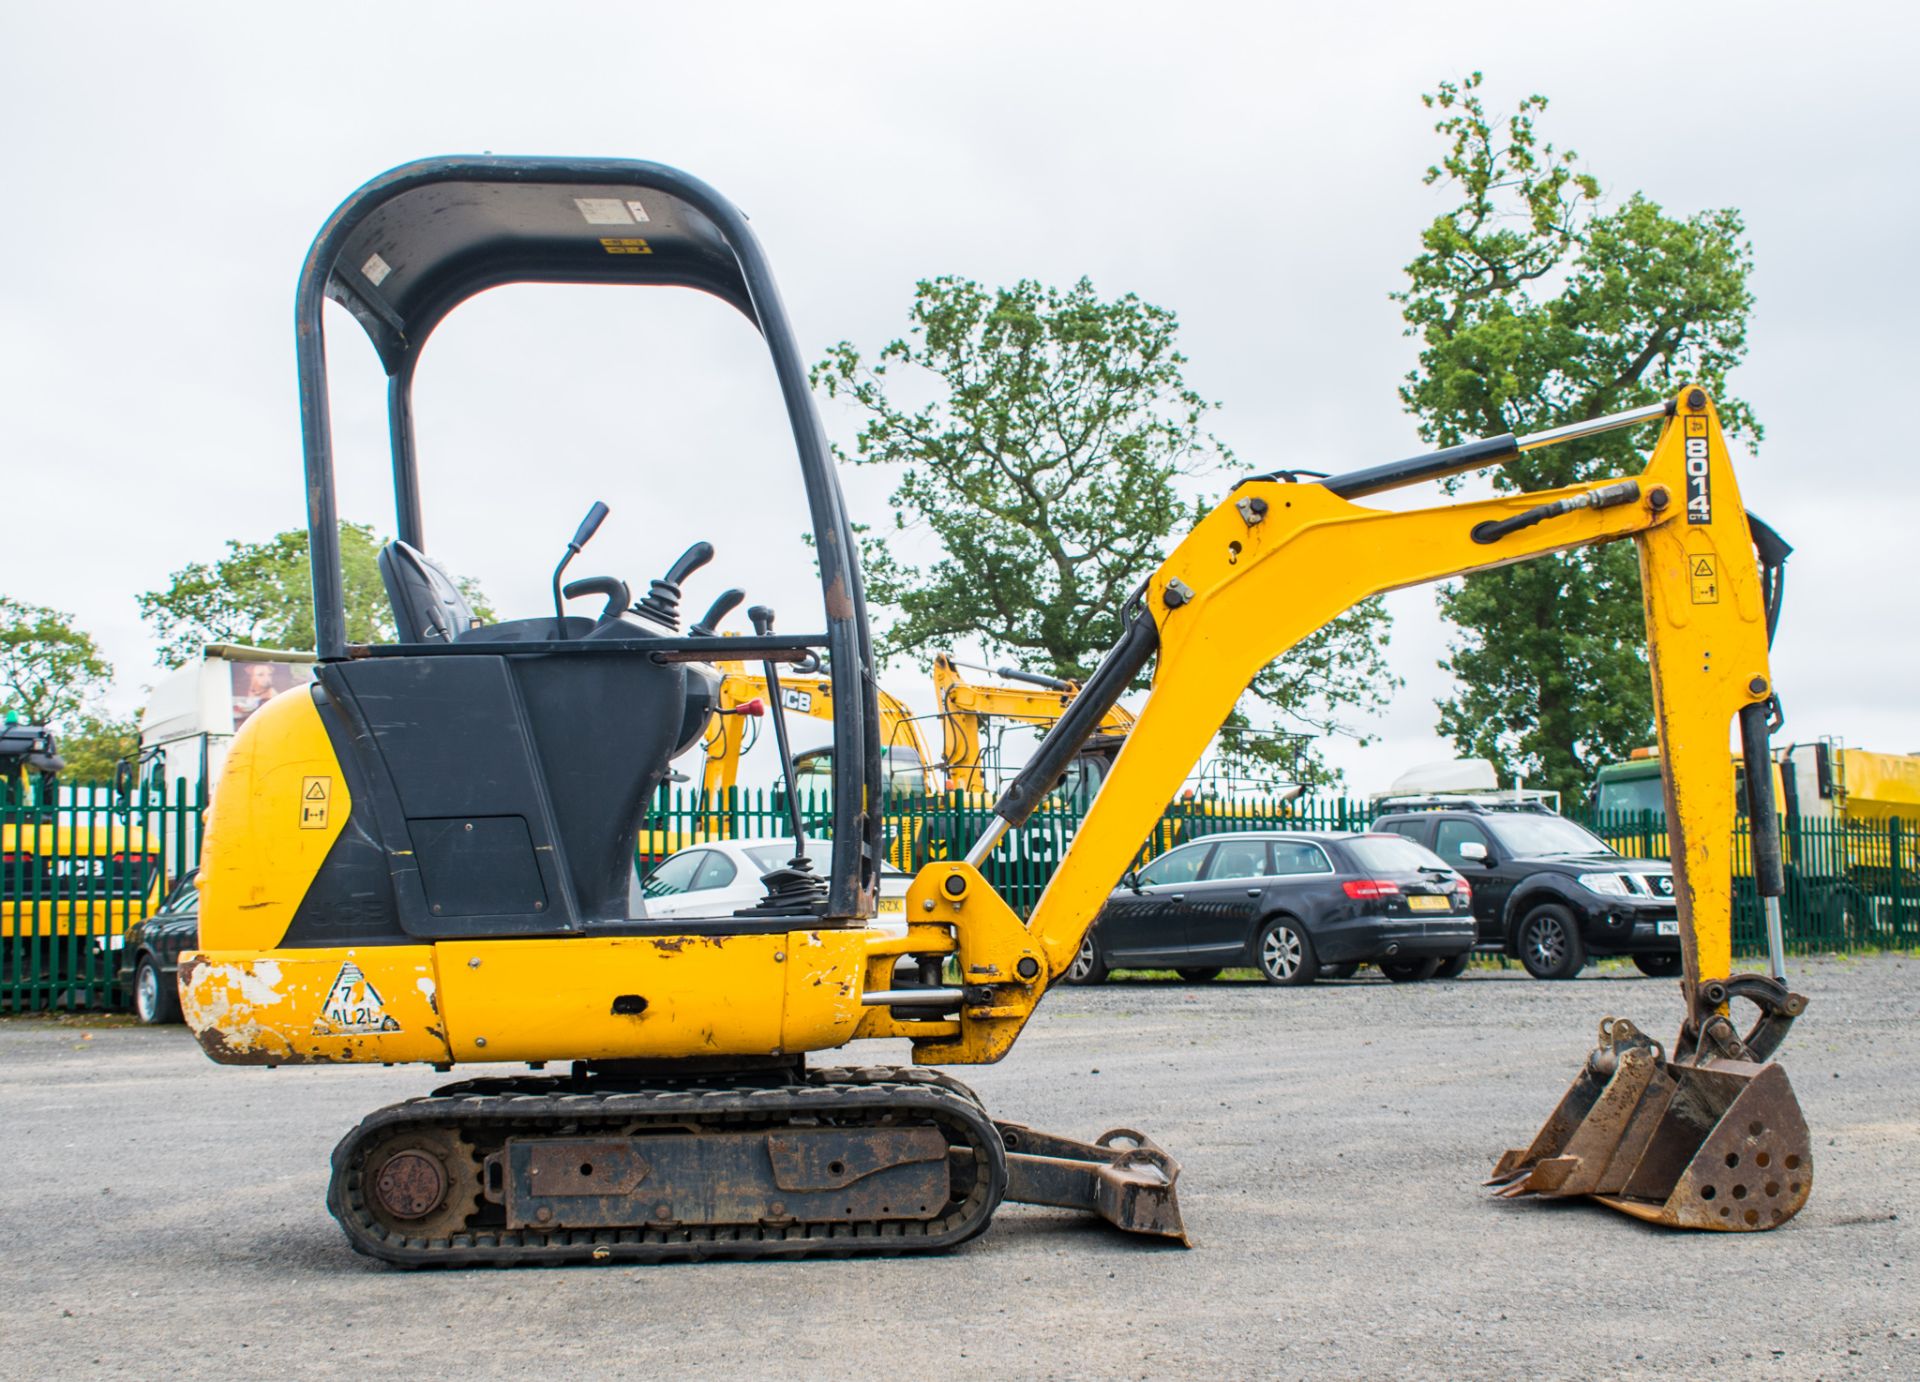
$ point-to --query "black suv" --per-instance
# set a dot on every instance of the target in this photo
(1546, 890)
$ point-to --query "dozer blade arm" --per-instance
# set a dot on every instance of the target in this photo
(1276, 561)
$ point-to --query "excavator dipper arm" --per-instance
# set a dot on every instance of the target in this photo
(1276, 561)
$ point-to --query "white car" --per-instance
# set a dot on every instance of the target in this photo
(719, 877)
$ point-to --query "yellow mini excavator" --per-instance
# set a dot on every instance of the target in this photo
(1036, 700)
(425, 855)
(744, 696)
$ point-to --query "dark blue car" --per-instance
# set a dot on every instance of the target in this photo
(1295, 905)
(150, 957)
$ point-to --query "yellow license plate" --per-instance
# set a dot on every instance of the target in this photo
(892, 904)
(1426, 902)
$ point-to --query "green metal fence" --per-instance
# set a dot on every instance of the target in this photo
(919, 829)
(1851, 885)
(80, 866)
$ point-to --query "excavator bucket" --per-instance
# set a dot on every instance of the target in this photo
(1714, 1144)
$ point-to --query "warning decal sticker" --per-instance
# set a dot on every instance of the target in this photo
(316, 793)
(353, 1006)
(603, 211)
(1704, 579)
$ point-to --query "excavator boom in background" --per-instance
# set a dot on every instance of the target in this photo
(745, 696)
(426, 856)
(1038, 701)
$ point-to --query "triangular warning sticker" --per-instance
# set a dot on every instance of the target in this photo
(1702, 566)
(316, 789)
(353, 1006)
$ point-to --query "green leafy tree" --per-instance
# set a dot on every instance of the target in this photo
(261, 594)
(1043, 462)
(1536, 304)
(49, 669)
(53, 673)
(94, 743)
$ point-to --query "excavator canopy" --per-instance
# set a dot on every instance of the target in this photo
(411, 245)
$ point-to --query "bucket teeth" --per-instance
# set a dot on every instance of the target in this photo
(1721, 1145)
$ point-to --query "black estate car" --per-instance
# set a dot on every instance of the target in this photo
(150, 958)
(1296, 906)
(1548, 891)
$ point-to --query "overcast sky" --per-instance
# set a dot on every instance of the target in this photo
(1256, 169)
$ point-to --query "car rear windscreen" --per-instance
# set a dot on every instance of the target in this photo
(1391, 854)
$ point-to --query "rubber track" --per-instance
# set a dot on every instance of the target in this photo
(489, 1118)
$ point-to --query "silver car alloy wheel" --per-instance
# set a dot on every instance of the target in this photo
(1082, 964)
(1280, 952)
(146, 992)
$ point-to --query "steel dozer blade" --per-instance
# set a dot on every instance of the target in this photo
(1711, 1139)
(1122, 1176)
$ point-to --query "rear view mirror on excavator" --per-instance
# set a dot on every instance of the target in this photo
(426, 856)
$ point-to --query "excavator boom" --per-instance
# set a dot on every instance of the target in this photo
(1278, 560)
(965, 705)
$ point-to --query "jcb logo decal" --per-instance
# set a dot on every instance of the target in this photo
(801, 701)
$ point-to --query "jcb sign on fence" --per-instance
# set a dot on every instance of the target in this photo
(78, 866)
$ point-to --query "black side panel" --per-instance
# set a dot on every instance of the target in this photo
(552, 760)
(478, 867)
(606, 729)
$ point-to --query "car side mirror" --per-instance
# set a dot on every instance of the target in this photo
(1474, 850)
(1131, 879)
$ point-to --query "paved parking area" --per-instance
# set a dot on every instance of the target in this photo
(164, 1216)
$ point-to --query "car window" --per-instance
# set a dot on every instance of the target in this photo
(716, 872)
(1533, 836)
(1401, 825)
(1391, 854)
(1453, 834)
(186, 897)
(1239, 859)
(675, 875)
(1180, 865)
(1298, 856)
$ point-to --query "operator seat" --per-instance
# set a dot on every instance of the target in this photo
(427, 605)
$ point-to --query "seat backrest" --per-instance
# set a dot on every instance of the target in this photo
(427, 606)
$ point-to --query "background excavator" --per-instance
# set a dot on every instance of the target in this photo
(967, 709)
(744, 697)
(425, 855)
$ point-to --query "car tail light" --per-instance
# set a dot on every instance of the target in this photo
(1465, 890)
(1360, 888)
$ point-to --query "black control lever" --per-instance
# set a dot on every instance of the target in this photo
(615, 589)
(662, 604)
(581, 537)
(709, 623)
(762, 620)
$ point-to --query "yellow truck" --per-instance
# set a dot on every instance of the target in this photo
(1848, 813)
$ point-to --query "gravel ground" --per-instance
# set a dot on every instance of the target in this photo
(164, 1216)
